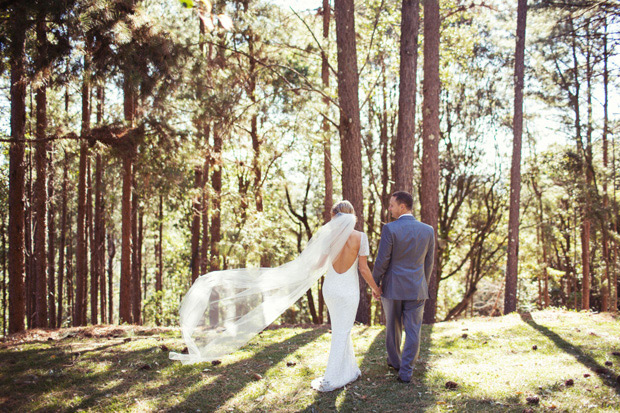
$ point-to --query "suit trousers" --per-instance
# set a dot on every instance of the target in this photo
(401, 314)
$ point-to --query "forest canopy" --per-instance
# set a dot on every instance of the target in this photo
(146, 143)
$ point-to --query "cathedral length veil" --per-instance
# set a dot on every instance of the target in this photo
(223, 310)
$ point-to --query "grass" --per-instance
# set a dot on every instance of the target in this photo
(491, 359)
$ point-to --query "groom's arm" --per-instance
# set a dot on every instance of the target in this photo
(429, 260)
(384, 255)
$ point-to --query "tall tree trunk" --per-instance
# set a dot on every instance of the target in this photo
(70, 273)
(40, 186)
(512, 266)
(31, 285)
(135, 256)
(160, 262)
(159, 259)
(100, 214)
(63, 238)
(216, 183)
(350, 129)
(142, 269)
(125, 313)
(99, 240)
(587, 224)
(327, 154)
(405, 134)
(4, 276)
(111, 253)
(51, 242)
(612, 287)
(81, 249)
(328, 200)
(91, 243)
(429, 189)
(204, 210)
(17, 307)
(196, 214)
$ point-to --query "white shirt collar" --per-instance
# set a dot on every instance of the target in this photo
(405, 215)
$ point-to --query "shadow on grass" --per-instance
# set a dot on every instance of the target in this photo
(588, 361)
(230, 379)
(31, 375)
(378, 388)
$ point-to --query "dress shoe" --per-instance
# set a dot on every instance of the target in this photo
(403, 381)
(395, 368)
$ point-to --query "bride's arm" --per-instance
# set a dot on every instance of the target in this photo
(365, 271)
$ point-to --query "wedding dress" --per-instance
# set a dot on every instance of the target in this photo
(223, 310)
(342, 295)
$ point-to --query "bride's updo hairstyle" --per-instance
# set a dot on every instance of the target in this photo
(343, 207)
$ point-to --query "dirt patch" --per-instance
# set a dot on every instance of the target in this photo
(97, 331)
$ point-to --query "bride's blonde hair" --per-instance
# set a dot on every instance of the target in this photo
(343, 207)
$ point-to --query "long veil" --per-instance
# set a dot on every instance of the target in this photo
(223, 310)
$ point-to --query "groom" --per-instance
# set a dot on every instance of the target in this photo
(403, 270)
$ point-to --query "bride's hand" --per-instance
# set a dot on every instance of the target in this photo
(376, 293)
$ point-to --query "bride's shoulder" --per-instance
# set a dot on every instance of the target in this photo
(356, 235)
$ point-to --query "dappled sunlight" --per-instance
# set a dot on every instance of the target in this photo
(493, 361)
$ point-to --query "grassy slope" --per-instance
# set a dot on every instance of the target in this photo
(494, 365)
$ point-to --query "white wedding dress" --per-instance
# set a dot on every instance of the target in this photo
(225, 309)
(342, 295)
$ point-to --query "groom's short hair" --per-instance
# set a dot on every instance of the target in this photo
(403, 197)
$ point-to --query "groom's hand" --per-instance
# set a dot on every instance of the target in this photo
(377, 294)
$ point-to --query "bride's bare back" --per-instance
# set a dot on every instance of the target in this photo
(349, 252)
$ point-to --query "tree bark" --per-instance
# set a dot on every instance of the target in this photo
(196, 214)
(350, 129)
(4, 275)
(160, 263)
(327, 154)
(93, 250)
(135, 255)
(159, 259)
(51, 242)
(204, 210)
(63, 237)
(609, 268)
(17, 307)
(429, 189)
(111, 253)
(512, 266)
(40, 186)
(216, 183)
(99, 245)
(81, 247)
(405, 134)
(124, 309)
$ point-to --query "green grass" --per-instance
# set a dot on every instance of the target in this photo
(495, 367)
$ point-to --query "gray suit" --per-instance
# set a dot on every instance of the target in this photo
(403, 269)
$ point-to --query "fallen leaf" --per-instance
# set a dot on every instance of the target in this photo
(569, 382)
(451, 385)
(532, 399)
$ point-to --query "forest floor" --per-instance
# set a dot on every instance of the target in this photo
(558, 360)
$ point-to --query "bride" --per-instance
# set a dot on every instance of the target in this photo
(223, 310)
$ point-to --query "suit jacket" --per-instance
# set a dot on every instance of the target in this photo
(405, 259)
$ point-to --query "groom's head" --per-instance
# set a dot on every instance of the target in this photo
(401, 202)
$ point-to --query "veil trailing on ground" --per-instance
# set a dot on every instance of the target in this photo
(223, 310)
